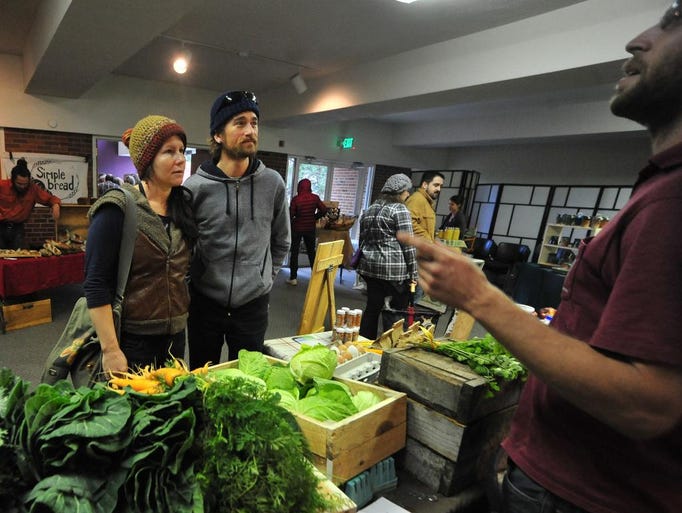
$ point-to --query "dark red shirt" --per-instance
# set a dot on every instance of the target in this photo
(623, 296)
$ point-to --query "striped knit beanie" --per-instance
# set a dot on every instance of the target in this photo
(146, 138)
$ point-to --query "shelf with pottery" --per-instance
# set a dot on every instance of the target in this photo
(561, 242)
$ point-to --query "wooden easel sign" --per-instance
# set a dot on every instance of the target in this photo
(319, 298)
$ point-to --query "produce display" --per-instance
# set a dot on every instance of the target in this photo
(485, 356)
(163, 440)
(305, 385)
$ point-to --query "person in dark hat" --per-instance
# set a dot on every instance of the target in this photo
(18, 196)
(156, 302)
(244, 235)
(387, 265)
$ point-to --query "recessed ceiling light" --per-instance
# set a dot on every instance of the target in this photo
(181, 61)
(180, 65)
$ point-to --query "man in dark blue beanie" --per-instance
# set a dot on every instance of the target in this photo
(244, 235)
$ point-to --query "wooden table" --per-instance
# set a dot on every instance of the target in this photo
(23, 276)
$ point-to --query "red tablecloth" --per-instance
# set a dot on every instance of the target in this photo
(27, 275)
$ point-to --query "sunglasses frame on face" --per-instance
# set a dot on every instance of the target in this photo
(674, 13)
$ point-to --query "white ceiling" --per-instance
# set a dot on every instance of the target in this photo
(69, 46)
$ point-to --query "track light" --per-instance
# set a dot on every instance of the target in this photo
(298, 83)
(181, 61)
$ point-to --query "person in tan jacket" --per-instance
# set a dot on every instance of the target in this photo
(421, 205)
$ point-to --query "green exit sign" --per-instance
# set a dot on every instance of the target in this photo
(346, 143)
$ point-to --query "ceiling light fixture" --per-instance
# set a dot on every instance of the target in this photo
(406, 1)
(245, 54)
(181, 61)
(298, 83)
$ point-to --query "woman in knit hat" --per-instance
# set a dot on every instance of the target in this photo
(156, 300)
(387, 266)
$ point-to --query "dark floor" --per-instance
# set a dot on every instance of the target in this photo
(25, 350)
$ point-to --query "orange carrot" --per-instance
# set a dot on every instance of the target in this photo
(166, 374)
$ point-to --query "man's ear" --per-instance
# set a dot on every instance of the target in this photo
(217, 139)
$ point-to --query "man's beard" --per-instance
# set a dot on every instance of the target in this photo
(236, 152)
(20, 192)
(654, 101)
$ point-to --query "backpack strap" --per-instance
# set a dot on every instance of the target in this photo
(125, 252)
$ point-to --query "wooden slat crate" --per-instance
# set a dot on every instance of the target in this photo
(448, 456)
(344, 449)
(23, 315)
(454, 426)
(443, 384)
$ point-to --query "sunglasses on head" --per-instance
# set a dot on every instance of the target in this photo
(238, 96)
(672, 14)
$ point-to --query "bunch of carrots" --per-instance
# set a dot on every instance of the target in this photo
(150, 380)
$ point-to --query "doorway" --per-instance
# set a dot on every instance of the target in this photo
(349, 184)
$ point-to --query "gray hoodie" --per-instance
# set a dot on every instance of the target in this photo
(244, 232)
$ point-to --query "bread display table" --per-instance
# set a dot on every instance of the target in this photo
(22, 276)
(27, 275)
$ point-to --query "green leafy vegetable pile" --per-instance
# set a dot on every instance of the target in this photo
(200, 446)
(13, 392)
(95, 450)
(254, 454)
(304, 386)
(486, 357)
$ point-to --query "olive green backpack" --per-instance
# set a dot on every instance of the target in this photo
(78, 352)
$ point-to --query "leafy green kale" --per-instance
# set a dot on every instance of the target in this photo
(486, 357)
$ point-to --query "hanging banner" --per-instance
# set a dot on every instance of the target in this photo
(63, 175)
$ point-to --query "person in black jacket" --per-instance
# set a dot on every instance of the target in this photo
(455, 219)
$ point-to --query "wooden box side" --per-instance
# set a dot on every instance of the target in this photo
(330, 439)
(452, 440)
(443, 384)
(23, 315)
(358, 458)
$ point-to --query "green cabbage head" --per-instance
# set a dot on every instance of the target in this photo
(313, 362)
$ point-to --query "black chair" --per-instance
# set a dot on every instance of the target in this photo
(484, 249)
(502, 270)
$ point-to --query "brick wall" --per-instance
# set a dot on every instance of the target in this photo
(276, 161)
(40, 225)
(344, 189)
(381, 174)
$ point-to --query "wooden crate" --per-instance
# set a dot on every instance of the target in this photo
(454, 426)
(448, 456)
(446, 386)
(23, 315)
(344, 449)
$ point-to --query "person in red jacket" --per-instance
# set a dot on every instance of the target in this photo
(305, 209)
(18, 196)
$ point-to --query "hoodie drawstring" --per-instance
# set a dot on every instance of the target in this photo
(227, 198)
(251, 197)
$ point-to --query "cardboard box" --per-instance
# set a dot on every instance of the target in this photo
(23, 315)
(342, 450)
